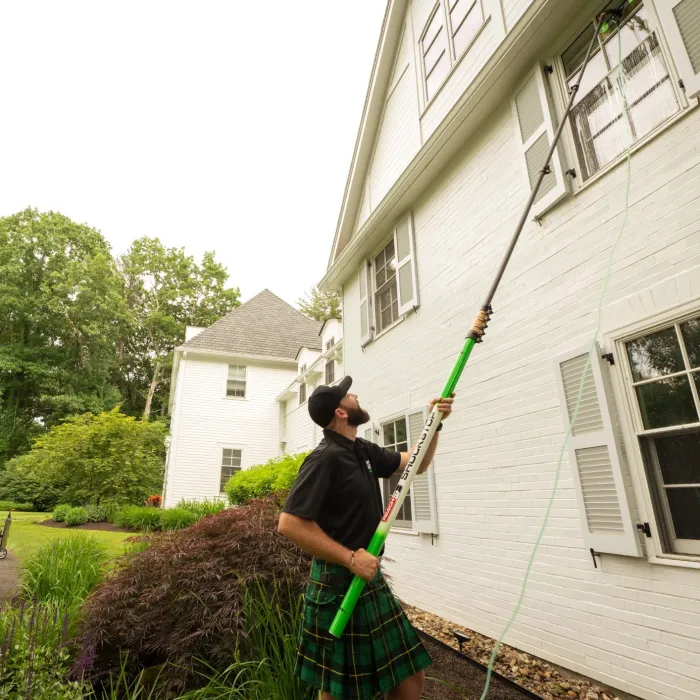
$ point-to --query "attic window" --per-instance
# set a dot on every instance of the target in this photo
(436, 59)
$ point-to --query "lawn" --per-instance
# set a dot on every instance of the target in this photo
(26, 537)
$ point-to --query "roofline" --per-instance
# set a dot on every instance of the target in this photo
(524, 44)
(239, 355)
(371, 115)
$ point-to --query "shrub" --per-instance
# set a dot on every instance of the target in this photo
(202, 508)
(20, 482)
(182, 598)
(59, 512)
(13, 505)
(139, 518)
(65, 570)
(76, 516)
(110, 509)
(96, 514)
(154, 501)
(176, 518)
(264, 479)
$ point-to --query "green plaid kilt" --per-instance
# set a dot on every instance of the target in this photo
(378, 650)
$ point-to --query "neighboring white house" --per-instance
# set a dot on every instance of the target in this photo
(462, 105)
(223, 398)
(317, 363)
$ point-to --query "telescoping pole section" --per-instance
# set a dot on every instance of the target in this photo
(474, 336)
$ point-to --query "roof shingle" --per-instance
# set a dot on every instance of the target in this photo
(265, 325)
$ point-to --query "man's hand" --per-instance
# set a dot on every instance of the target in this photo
(443, 405)
(365, 565)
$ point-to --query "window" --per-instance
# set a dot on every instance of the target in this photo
(330, 372)
(466, 17)
(330, 343)
(386, 299)
(395, 437)
(599, 115)
(665, 374)
(302, 386)
(230, 464)
(235, 385)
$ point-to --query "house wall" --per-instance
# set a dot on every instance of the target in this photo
(302, 433)
(206, 421)
(629, 623)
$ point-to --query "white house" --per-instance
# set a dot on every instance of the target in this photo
(320, 362)
(223, 398)
(462, 105)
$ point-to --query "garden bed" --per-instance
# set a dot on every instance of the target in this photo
(105, 527)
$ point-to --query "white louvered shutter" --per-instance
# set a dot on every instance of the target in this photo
(604, 506)
(406, 277)
(423, 501)
(535, 123)
(366, 328)
(680, 21)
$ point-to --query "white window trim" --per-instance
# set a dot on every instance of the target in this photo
(627, 411)
(488, 9)
(226, 446)
(560, 98)
(236, 398)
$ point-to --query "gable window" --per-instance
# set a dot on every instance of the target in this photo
(230, 464)
(330, 372)
(302, 386)
(330, 343)
(600, 115)
(450, 30)
(664, 371)
(236, 382)
(395, 437)
(386, 298)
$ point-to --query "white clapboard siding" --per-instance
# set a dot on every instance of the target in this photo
(680, 21)
(406, 274)
(535, 130)
(606, 515)
(423, 501)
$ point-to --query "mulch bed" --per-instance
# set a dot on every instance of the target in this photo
(108, 527)
(452, 677)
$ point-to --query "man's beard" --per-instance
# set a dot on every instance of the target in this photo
(357, 416)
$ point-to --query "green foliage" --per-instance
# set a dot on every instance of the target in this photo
(141, 518)
(264, 479)
(13, 505)
(64, 571)
(165, 290)
(319, 305)
(176, 518)
(96, 514)
(108, 456)
(35, 657)
(202, 508)
(20, 482)
(60, 302)
(59, 512)
(76, 516)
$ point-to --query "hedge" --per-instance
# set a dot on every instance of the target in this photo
(264, 479)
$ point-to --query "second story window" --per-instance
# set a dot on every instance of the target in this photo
(236, 382)
(302, 387)
(330, 344)
(330, 372)
(386, 300)
(600, 116)
(436, 59)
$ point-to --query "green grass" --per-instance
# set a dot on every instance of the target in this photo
(26, 537)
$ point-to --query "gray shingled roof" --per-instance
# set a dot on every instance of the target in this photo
(265, 325)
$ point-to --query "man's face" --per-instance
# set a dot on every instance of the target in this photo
(356, 414)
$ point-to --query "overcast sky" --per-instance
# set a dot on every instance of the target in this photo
(212, 124)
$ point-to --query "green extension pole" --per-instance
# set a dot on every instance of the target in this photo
(474, 336)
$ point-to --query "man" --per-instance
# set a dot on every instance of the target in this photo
(332, 512)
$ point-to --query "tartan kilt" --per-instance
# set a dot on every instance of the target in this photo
(378, 650)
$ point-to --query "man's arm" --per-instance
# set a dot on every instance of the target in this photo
(307, 535)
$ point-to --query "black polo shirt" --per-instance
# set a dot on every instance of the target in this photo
(338, 487)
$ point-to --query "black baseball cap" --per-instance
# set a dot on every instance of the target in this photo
(325, 399)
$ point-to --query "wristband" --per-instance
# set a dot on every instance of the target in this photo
(352, 559)
(439, 428)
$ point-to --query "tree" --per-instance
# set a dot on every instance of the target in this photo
(319, 305)
(94, 458)
(60, 311)
(165, 290)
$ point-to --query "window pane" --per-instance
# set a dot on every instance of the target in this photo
(666, 402)
(679, 458)
(405, 510)
(401, 430)
(468, 30)
(432, 54)
(573, 57)
(633, 33)
(655, 355)
(389, 434)
(433, 28)
(685, 511)
(691, 336)
(434, 81)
